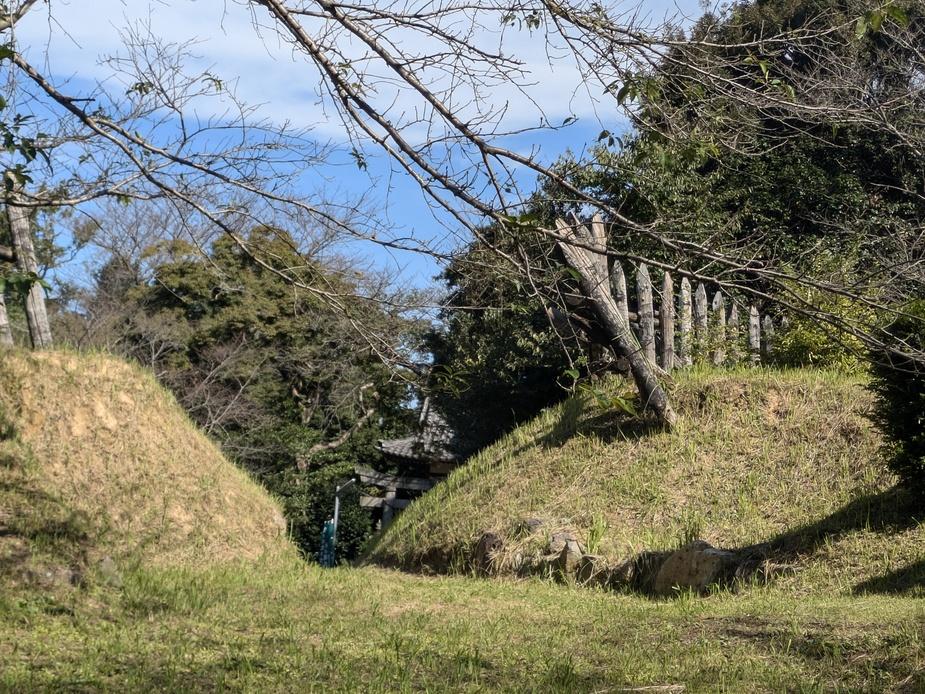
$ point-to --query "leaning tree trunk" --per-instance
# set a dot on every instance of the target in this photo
(591, 266)
(21, 232)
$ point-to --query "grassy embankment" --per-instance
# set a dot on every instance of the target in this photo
(99, 462)
(784, 463)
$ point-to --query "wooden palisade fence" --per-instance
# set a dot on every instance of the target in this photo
(668, 329)
(677, 328)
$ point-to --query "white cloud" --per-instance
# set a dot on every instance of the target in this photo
(69, 37)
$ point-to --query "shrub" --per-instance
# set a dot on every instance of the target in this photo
(805, 341)
(899, 385)
(308, 501)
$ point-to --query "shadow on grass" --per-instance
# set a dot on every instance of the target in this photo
(37, 520)
(888, 512)
(608, 426)
(909, 579)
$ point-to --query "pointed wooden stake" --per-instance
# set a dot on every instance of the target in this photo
(700, 322)
(719, 329)
(767, 330)
(666, 318)
(685, 341)
(754, 335)
(618, 290)
(646, 312)
(732, 325)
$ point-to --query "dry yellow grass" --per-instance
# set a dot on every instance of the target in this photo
(98, 459)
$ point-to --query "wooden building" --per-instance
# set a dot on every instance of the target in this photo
(421, 459)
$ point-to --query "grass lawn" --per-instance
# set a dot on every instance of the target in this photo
(188, 582)
(299, 628)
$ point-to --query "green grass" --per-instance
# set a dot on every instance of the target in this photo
(200, 592)
(782, 462)
(288, 627)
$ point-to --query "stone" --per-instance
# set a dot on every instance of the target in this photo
(49, 577)
(696, 566)
(593, 570)
(559, 540)
(487, 548)
(109, 572)
(526, 527)
(279, 522)
(567, 560)
(623, 574)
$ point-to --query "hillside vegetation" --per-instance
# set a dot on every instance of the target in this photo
(98, 461)
(781, 463)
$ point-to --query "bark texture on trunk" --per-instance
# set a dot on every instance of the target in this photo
(591, 267)
(6, 334)
(24, 250)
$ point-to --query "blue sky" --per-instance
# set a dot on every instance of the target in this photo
(68, 38)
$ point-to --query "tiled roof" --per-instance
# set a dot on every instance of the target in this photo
(432, 442)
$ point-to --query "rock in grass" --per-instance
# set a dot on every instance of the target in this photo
(51, 577)
(593, 570)
(560, 540)
(109, 573)
(486, 549)
(696, 566)
(563, 555)
(569, 558)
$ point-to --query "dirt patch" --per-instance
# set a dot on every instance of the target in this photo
(78, 423)
(103, 415)
(776, 406)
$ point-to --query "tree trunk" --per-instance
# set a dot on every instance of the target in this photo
(36, 315)
(596, 288)
(6, 335)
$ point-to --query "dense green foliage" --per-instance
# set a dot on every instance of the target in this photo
(899, 384)
(496, 360)
(835, 204)
(270, 370)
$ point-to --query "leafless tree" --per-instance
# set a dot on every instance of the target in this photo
(417, 79)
